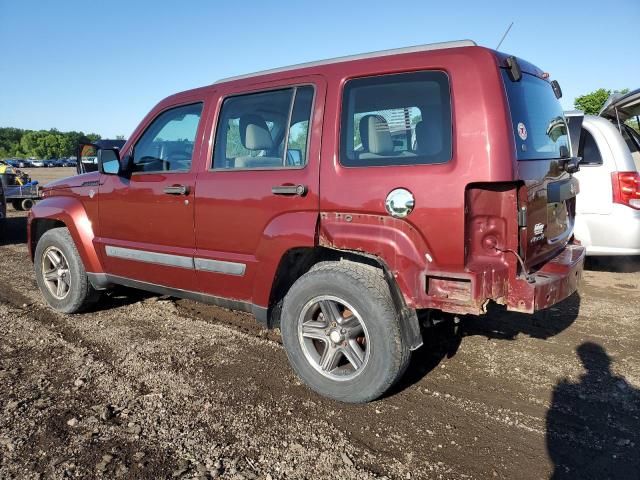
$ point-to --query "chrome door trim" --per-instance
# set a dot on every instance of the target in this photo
(150, 257)
(219, 266)
(201, 264)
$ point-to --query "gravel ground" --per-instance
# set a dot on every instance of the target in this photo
(152, 387)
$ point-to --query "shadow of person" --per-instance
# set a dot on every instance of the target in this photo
(593, 426)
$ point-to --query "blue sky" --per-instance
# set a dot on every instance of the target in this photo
(73, 66)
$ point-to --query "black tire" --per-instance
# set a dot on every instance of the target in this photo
(365, 288)
(17, 205)
(26, 204)
(80, 294)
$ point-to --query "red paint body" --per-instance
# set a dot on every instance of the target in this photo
(442, 255)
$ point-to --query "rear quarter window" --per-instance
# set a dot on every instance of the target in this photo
(402, 119)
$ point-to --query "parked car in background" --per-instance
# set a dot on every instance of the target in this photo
(608, 207)
(3, 209)
(37, 163)
(336, 200)
(19, 163)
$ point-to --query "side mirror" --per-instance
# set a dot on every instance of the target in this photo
(92, 158)
(109, 161)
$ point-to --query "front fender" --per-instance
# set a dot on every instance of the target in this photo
(72, 213)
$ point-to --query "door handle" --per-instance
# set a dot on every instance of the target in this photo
(299, 190)
(177, 190)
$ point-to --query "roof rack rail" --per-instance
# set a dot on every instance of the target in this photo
(360, 56)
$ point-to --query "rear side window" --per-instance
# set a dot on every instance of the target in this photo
(264, 130)
(400, 119)
(588, 149)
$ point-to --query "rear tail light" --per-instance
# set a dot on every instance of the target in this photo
(626, 188)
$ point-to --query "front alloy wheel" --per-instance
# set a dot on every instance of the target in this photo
(60, 273)
(55, 272)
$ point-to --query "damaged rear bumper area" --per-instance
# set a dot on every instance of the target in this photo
(556, 280)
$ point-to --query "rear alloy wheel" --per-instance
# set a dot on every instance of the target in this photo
(341, 332)
(60, 273)
(333, 338)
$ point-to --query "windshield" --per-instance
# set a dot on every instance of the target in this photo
(539, 127)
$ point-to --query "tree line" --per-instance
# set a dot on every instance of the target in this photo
(19, 143)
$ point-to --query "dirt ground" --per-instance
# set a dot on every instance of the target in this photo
(152, 387)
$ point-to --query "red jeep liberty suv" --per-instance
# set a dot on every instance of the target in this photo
(334, 200)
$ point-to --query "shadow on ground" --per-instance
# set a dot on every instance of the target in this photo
(593, 425)
(120, 296)
(623, 264)
(443, 340)
(15, 231)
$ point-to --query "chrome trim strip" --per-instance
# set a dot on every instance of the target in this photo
(381, 53)
(219, 266)
(150, 257)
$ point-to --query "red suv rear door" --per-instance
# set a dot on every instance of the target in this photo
(260, 195)
(547, 201)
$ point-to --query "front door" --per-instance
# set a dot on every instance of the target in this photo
(260, 195)
(146, 227)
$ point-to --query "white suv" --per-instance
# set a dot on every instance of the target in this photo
(608, 207)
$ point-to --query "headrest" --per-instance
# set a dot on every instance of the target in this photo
(254, 133)
(428, 138)
(375, 135)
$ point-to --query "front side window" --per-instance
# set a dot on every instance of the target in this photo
(264, 130)
(539, 127)
(167, 144)
(400, 119)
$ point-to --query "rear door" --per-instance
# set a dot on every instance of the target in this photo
(547, 200)
(260, 195)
